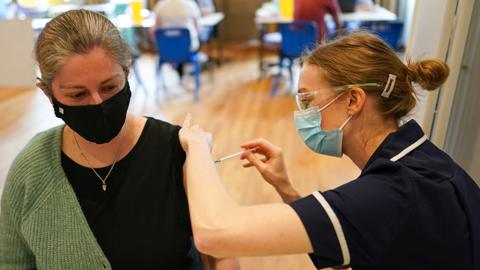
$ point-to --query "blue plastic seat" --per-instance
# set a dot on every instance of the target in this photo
(173, 45)
(389, 31)
(297, 37)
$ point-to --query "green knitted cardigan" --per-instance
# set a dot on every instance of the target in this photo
(41, 222)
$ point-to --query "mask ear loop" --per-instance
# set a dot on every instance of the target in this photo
(346, 121)
(331, 101)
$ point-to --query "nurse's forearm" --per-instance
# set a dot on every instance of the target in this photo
(208, 200)
(288, 193)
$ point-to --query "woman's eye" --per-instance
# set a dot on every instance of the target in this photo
(110, 88)
(78, 95)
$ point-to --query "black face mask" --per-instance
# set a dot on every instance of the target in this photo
(96, 123)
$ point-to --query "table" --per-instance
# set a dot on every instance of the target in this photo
(377, 13)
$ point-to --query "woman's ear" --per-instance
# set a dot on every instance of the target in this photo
(356, 100)
(127, 72)
(45, 90)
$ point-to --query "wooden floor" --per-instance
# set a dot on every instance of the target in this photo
(235, 106)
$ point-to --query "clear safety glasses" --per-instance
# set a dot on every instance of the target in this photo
(304, 100)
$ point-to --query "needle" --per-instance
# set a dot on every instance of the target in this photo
(234, 155)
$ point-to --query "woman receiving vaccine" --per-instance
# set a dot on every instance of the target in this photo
(105, 190)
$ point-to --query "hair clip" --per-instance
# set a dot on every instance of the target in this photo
(389, 86)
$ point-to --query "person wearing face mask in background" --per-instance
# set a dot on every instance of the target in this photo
(412, 207)
(104, 190)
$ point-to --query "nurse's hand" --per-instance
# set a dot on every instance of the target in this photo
(271, 166)
(189, 135)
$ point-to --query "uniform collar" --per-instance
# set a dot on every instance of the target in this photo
(407, 135)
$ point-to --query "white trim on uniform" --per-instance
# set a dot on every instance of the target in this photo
(336, 226)
(409, 149)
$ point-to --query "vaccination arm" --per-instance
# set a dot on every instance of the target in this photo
(221, 227)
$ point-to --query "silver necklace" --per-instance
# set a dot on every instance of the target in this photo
(104, 180)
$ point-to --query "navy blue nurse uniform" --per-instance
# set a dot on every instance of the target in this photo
(412, 207)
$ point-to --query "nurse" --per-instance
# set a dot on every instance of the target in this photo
(412, 207)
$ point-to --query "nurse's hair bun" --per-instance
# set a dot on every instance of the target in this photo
(429, 74)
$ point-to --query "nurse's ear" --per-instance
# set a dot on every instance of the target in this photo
(356, 100)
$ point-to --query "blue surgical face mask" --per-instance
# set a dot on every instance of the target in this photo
(309, 127)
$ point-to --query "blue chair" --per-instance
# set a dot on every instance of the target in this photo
(297, 37)
(173, 45)
(389, 31)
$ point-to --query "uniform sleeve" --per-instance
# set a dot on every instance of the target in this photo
(356, 223)
(14, 251)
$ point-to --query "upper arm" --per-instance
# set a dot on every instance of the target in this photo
(195, 10)
(334, 10)
(196, 14)
(260, 230)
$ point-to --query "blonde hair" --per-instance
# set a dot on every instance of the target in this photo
(364, 58)
(77, 32)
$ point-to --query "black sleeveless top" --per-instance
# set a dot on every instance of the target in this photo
(141, 221)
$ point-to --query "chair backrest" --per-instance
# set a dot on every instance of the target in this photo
(173, 44)
(297, 37)
(389, 31)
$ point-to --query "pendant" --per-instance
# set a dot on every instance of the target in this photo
(104, 187)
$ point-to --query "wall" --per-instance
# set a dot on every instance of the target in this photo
(463, 133)
(406, 11)
(239, 21)
(429, 38)
(17, 68)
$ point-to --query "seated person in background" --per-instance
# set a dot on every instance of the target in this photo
(206, 6)
(179, 13)
(315, 10)
(364, 5)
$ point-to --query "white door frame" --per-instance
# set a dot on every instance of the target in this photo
(439, 30)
